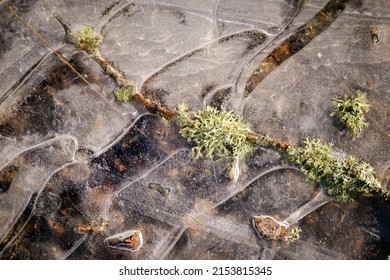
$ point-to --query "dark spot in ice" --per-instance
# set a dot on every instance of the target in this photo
(255, 39)
(206, 89)
(356, 4)
(128, 10)
(182, 242)
(164, 191)
(382, 213)
(180, 16)
(7, 174)
(252, 38)
(220, 97)
(4, 186)
(5, 41)
(109, 8)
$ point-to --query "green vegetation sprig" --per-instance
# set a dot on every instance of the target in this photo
(350, 111)
(344, 179)
(88, 40)
(125, 93)
(183, 118)
(294, 234)
(215, 133)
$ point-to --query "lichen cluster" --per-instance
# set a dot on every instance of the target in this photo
(343, 178)
(350, 111)
(182, 115)
(293, 234)
(125, 93)
(88, 40)
(216, 133)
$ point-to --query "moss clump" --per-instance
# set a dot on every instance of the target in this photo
(88, 40)
(124, 94)
(344, 179)
(215, 132)
(350, 111)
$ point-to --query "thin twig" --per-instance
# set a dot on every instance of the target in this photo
(59, 55)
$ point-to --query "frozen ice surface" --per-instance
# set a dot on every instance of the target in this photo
(79, 170)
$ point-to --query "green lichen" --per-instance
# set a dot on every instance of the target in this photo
(350, 111)
(88, 40)
(125, 93)
(343, 178)
(182, 115)
(294, 234)
(110, 71)
(217, 133)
